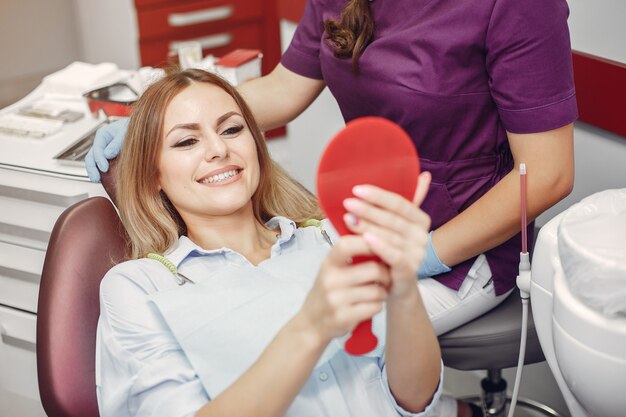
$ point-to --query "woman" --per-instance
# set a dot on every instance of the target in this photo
(242, 314)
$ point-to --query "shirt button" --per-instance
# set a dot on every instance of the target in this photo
(323, 376)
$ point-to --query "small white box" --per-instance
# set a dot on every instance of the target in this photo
(240, 65)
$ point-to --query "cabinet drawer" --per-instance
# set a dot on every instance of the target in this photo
(27, 223)
(140, 4)
(168, 21)
(155, 52)
(41, 189)
(18, 364)
(20, 273)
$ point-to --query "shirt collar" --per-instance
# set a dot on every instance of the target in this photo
(287, 228)
(186, 247)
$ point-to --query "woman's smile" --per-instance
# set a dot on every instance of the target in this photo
(223, 176)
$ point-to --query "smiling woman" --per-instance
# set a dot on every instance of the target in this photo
(206, 130)
(265, 301)
(208, 164)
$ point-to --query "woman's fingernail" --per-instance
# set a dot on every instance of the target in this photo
(360, 191)
(370, 238)
(351, 220)
(352, 204)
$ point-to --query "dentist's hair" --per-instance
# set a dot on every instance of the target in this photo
(352, 33)
(151, 221)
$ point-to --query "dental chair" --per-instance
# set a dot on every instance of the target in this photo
(578, 289)
(86, 241)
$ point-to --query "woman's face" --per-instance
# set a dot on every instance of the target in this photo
(208, 163)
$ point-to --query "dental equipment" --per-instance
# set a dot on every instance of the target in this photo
(114, 100)
(578, 278)
(523, 283)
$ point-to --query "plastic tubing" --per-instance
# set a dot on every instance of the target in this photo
(522, 179)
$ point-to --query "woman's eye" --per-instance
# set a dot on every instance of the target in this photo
(233, 130)
(185, 142)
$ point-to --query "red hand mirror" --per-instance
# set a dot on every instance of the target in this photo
(369, 150)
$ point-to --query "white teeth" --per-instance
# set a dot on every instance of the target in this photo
(220, 177)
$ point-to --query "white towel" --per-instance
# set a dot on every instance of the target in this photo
(80, 77)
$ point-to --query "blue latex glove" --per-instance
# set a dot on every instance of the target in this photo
(106, 145)
(431, 265)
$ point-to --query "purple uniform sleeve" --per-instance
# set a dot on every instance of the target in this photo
(302, 56)
(529, 61)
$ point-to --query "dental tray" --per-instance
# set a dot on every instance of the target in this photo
(74, 154)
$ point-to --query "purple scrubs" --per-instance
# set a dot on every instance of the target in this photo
(456, 75)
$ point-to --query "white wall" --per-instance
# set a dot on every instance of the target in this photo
(600, 165)
(37, 37)
(108, 32)
(309, 133)
(597, 28)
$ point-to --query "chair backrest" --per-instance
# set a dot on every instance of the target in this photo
(86, 241)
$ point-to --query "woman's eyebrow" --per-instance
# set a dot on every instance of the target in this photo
(225, 116)
(196, 126)
(186, 126)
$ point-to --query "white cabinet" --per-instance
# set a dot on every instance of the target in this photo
(19, 395)
(30, 203)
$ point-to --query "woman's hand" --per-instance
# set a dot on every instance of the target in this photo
(395, 229)
(345, 294)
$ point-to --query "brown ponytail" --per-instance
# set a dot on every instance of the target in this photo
(352, 33)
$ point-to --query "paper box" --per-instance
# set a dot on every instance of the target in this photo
(240, 65)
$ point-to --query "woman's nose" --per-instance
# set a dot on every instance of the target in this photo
(215, 148)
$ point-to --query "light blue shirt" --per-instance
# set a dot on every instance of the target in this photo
(166, 350)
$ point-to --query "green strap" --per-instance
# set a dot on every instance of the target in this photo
(180, 278)
(168, 264)
(318, 224)
(312, 222)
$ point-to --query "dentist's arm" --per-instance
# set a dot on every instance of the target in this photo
(494, 218)
(280, 96)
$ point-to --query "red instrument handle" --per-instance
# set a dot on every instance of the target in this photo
(362, 340)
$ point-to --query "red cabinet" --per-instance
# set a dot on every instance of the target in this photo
(291, 9)
(220, 26)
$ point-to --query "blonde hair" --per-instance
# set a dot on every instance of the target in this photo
(152, 222)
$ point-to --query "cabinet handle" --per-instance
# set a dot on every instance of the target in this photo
(17, 342)
(207, 42)
(201, 16)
